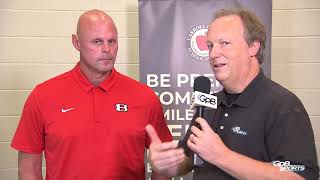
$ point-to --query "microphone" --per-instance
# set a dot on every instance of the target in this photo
(201, 98)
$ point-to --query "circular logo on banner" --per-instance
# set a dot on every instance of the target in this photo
(196, 43)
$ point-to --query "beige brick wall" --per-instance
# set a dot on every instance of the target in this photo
(295, 53)
(35, 45)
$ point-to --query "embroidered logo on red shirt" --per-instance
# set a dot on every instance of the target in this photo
(121, 107)
(66, 110)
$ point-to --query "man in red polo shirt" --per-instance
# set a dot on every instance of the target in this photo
(89, 121)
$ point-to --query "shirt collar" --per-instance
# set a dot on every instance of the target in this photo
(86, 85)
(247, 96)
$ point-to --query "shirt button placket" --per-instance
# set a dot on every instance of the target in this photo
(225, 115)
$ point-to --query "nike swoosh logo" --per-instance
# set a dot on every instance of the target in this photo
(66, 110)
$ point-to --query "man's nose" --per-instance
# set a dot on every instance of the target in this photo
(106, 47)
(215, 52)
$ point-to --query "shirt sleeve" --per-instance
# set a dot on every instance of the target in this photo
(156, 119)
(29, 136)
(291, 139)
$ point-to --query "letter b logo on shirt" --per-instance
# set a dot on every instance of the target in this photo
(121, 107)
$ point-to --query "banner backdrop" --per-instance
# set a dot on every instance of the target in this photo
(173, 51)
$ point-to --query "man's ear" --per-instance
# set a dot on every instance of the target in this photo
(254, 48)
(75, 41)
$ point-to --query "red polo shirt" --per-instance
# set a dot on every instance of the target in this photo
(90, 132)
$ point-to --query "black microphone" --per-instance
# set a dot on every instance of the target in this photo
(201, 84)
